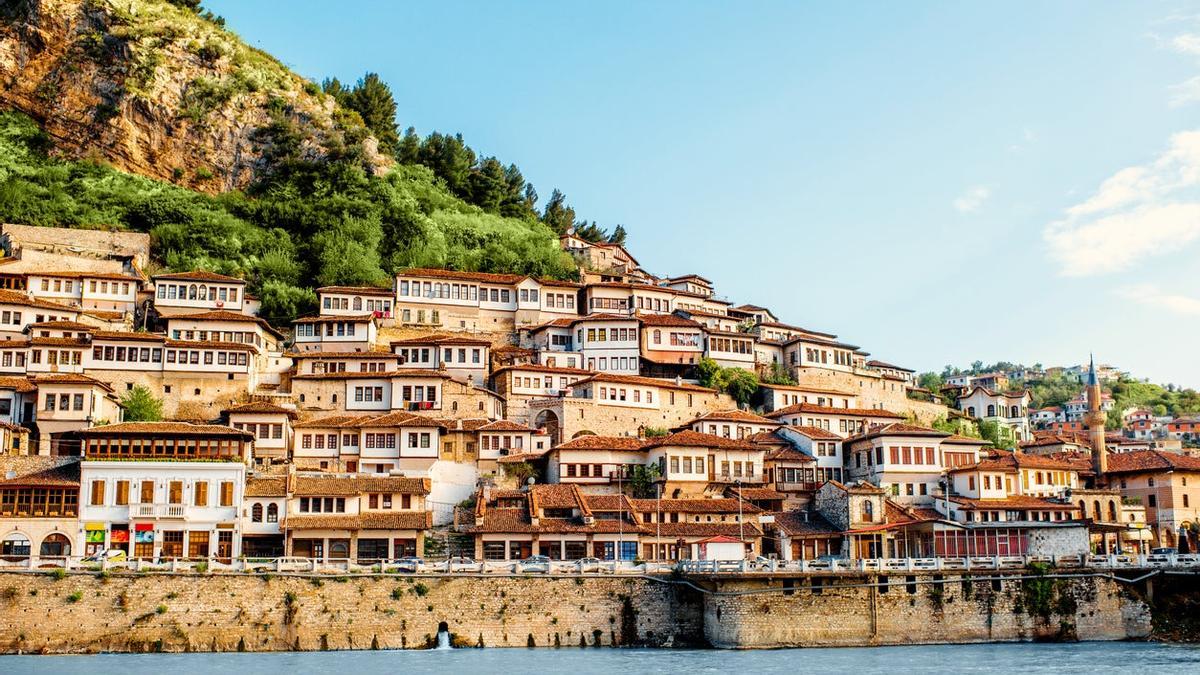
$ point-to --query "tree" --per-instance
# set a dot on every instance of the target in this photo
(618, 235)
(642, 481)
(521, 472)
(708, 373)
(997, 434)
(141, 405)
(557, 213)
(372, 99)
(779, 374)
(740, 384)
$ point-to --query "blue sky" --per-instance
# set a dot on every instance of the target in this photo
(936, 182)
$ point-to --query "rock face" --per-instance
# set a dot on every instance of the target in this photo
(157, 90)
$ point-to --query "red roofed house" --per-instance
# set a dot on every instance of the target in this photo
(597, 464)
(196, 291)
(1167, 484)
(693, 464)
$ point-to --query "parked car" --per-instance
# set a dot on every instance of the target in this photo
(589, 565)
(107, 555)
(534, 563)
(1164, 550)
(294, 564)
(461, 564)
(409, 564)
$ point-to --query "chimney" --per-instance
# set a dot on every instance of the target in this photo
(290, 480)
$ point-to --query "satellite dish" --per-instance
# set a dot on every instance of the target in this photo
(530, 480)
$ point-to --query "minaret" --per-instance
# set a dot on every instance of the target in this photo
(1095, 419)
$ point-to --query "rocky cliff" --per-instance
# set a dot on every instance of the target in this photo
(158, 90)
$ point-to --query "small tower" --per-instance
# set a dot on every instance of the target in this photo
(1095, 419)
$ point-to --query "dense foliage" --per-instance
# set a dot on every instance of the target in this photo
(306, 224)
(141, 405)
(741, 385)
(1056, 390)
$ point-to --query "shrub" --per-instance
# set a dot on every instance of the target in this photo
(58, 574)
(161, 609)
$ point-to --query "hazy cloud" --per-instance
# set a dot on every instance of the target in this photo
(1149, 294)
(1138, 212)
(972, 199)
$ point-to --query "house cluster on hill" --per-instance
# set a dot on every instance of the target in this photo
(505, 415)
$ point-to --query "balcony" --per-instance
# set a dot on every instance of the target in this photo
(168, 511)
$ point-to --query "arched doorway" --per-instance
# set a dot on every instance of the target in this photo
(15, 547)
(547, 421)
(55, 545)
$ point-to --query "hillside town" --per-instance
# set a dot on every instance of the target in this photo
(500, 417)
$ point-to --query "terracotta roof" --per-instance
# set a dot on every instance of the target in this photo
(717, 505)
(603, 443)
(803, 523)
(392, 419)
(355, 318)
(645, 381)
(815, 433)
(266, 487)
(668, 320)
(789, 455)
(171, 428)
(68, 378)
(8, 297)
(484, 277)
(747, 529)
(333, 485)
(69, 274)
(766, 438)
(963, 440)
(1151, 460)
(316, 355)
(442, 340)
(263, 407)
(369, 520)
(554, 370)
(59, 341)
(756, 493)
(39, 471)
(504, 425)
(695, 439)
(881, 364)
(210, 344)
(199, 275)
(899, 429)
(63, 325)
(122, 335)
(17, 384)
(1010, 502)
(830, 410)
(735, 416)
(357, 290)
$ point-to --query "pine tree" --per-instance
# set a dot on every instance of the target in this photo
(557, 213)
(618, 235)
(372, 99)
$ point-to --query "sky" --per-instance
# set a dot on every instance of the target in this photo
(936, 182)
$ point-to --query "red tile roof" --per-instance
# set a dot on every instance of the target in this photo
(646, 382)
(199, 275)
(8, 297)
(261, 407)
(829, 410)
(603, 443)
(735, 416)
(1137, 461)
(815, 433)
(357, 290)
(899, 429)
(166, 428)
(694, 439)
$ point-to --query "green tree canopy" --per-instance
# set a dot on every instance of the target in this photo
(141, 405)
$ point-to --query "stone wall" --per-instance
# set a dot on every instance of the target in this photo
(158, 611)
(872, 392)
(833, 612)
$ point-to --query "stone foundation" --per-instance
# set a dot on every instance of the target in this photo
(84, 612)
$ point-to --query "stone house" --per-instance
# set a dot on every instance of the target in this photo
(364, 518)
(39, 507)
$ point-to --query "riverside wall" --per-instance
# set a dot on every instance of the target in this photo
(86, 612)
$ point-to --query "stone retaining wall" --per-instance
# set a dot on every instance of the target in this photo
(84, 612)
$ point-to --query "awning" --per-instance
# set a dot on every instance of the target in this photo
(143, 527)
(94, 526)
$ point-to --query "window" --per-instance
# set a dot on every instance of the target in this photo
(122, 493)
(97, 493)
(227, 493)
(200, 493)
(273, 513)
(256, 513)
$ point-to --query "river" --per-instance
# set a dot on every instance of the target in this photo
(1009, 659)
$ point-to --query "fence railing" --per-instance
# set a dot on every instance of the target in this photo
(459, 566)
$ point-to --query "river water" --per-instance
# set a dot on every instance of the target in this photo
(1008, 659)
